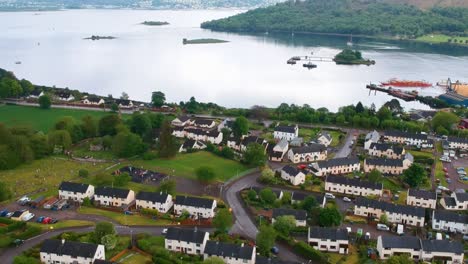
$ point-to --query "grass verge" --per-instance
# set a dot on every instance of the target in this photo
(121, 218)
(63, 224)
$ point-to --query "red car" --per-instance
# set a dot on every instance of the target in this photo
(445, 169)
(302, 166)
(47, 220)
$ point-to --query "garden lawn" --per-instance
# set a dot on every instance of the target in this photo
(423, 154)
(439, 38)
(63, 224)
(308, 133)
(439, 173)
(121, 218)
(391, 184)
(40, 119)
(133, 257)
(336, 138)
(184, 165)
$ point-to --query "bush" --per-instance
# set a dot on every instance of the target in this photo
(30, 231)
(150, 212)
(83, 173)
(309, 252)
(149, 156)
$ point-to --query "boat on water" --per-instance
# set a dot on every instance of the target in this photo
(291, 62)
(309, 65)
(406, 83)
(18, 62)
(296, 58)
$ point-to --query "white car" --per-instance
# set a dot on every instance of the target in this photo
(442, 188)
(348, 229)
(28, 217)
(346, 199)
(382, 227)
(164, 231)
(329, 196)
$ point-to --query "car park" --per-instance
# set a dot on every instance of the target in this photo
(382, 227)
(346, 199)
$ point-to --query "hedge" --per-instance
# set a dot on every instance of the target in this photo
(309, 252)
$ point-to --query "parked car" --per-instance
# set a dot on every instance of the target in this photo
(40, 219)
(449, 181)
(346, 199)
(445, 169)
(164, 231)
(442, 188)
(18, 242)
(329, 196)
(359, 232)
(9, 214)
(3, 213)
(275, 250)
(464, 178)
(439, 236)
(382, 227)
(348, 229)
(367, 236)
(28, 217)
(47, 220)
(54, 221)
(462, 173)
(24, 200)
(400, 230)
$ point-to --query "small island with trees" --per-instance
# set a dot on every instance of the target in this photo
(155, 23)
(93, 37)
(203, 41)
(352, 57)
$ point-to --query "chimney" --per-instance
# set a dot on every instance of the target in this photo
(242, 245)
(63, 241)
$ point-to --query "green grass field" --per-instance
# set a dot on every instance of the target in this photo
(439, 173)
(438, 38)
(134, 258)
(184, 165)
(121, 218)
(63, 224)
(336, 138)
(39, 119)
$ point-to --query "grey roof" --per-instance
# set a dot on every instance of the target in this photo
(286, 129)
(442, 246)
(337, 162)
(188, 144)
(36, 92)
(156, 197)
(205, 122)
(389, 207)
(374, 136)
(384, 162)
(74, 187)
(448, 216)
(282, 144)
(111, 192)
(187, 235)
(17, 213)
(450, 201)
(69, 248)
(309, 149)
(354, 182)
(328, 233)
(409, 242)
(252, 139)
(292, 171)
(216, 248)
(384, 147)
(300, 215)
(458, 140)
(401, 134)
(194, 201)
(326, 135)
(264, 260)
(462, 197)
(183, 118)
(429, 195)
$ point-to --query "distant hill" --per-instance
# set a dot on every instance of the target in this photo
(357, 17)
(426, 4)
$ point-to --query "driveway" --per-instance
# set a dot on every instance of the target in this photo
(452, 172)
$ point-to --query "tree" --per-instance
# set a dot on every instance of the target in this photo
(109, 241)
(45, 102)
(309, 203)
(223, 220)
(122, 179)
(140, 124)
(400, 259)
(205, 174)
(330, 216)
(167, 186)
(158, 99)
(39, 145)
(374, 176)
(87, 202)
(27, 86)
(445, 120)
(240, 127)
(441, 131)
(384, 219)
(414, 175)
(9, 87)
(252, 195)
(359, 107)
(59, 139)
(108, 125)
(114, 107)
(70, 124)
(267, 196)
(89, 126)
(167, 145)
(124, 96)
(127, 145)
(5, 192)
(266, 237)
(213, 260)
(285, 224)
(255, 155)
(103, 229)
(83, 173)
(384, 113)
(227, 153)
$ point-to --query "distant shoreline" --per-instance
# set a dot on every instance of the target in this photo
(203, 41)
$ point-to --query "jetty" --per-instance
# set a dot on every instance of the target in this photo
(404, 95)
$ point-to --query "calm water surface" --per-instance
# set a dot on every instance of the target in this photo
(249, 70)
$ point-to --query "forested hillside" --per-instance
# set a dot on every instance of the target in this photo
(360, 17)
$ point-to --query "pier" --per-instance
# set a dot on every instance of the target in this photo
(406, 96)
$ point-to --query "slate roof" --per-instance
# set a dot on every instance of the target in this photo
(409, 242)
(183, 118)
(442, 246)
(124, 102)
(286, 129)
(448, 216)
(354, 182)
(36, 92)
(73, 187)
(111, 192)
(422, 194)
(155, 197)
(401, 134)
(206, 122)
(94, 99)
(328, 233)
(389, 207)
(187, 235)
(337, 162)
(252, 139)
(17, 213)
(194, 201)
(282, 144)
(188, 144)
(450, 201)
(63, 94)
(264, 260)
(326, 135)
(292, 171)
(458, 140)
(69, 248)
(311, 148)
(300, 215)
(462, 197)
(374, 136)
(384, 162)
(384, 147)
(216, 248)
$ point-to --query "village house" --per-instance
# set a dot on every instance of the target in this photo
(386, 150)
(35, 94)
(55, 251)
(446, 251)
(371, 137)
(277, 152)
(421, 198)
(293, 175)
(246, 141)
(187, 241)
(234, 143)
(298, 197)
(227, 124)
(458, 143)
(230, 253)
(155, 201)
(197, 207)
(204, 123)
(93, 101)
(75, 191)
(64, 96)
(299, 215)
(214, 137)
(388, 246)
(191, 144)
(457, 201)
(389, 166)
(412, 139)
(449, 221)
(312, 152)
(286, 132)
(181, 121)
(107, 196)
(324, 138)
(336, 166)
(422, 115)
(124, 103)
(329, 239)
(397, 214)
(351, 186)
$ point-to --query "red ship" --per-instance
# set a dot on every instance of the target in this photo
(405, 83)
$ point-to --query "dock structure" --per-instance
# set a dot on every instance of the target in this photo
(406, 96)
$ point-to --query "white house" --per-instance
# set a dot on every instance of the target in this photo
(187, 241)
(227, 123)
(204, 123)
(277, 152)
(328, 239)
(421, 198)
(293, 175)
(372, 137)
(386, 150)
(93, 101)
(449, 221)
(64, 96)
(412, 139)
(286, 132)
(181, 121)
(457, 201)
(234, 143)
(213, 136)
(389, 166)
(312, 152)
(230, 253)
(397, 214)
(55, 251)
(154, 200)
(299, 215)
(124, 104)
(336, 166)
(458, 143)
(75, 191)
(388, 246)
(325, 139)
(446, 251)
(191, 144)
(246, 141)
(351, 186)
(197, 207)
(35, 94)
(107, 196)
